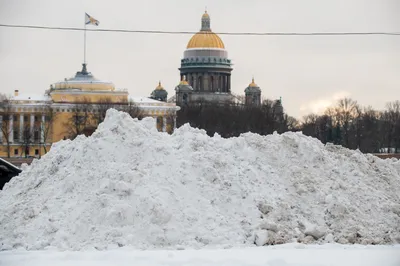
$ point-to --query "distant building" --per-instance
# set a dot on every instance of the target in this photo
(31, 123)
(252, 94)
(205, 67)
(159, 94)
(205, 73)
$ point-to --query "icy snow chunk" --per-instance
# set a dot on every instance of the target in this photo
(315, 231)
(262, 237)
(269, 226)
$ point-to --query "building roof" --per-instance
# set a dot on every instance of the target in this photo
(31, 97)
(84, 80)
(143, 100)
(205, 38)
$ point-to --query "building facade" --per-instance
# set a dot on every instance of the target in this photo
(31, 123)
(206, 66)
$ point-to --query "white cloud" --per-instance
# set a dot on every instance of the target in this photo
(318, 106)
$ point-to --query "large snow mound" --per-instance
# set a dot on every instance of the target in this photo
(129, 184)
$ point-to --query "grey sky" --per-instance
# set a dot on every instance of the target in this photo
(308, 72)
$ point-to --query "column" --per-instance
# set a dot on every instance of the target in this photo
(206, 82)
(42, 128)
(21, 127)
(11, 129)
(229, 83)
(1, 132)
(194, 85)
(31, 125)
(174, 126)
(164, 124)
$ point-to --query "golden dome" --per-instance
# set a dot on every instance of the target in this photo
(205, 39)
(159, 87)
(253, 84)
(183, 81)
(205, 15)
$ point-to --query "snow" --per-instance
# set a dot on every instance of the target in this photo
(31, 97)
(130, 185)
(287, 255)
(144, 100)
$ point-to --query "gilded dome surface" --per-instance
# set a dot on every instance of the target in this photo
(159, 87)
(205, 38)
(253, 84)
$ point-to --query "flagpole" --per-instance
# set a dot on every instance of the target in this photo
(84, 45)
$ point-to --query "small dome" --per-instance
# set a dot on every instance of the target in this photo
(252, 88)
(159, 87)
(183, 86)
(253, 84)
(159, 93)
(205, 15)
(183, 81)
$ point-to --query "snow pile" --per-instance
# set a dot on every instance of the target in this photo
(128, 184)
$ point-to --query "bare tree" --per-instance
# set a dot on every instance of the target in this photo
(372, 131)
(80, 121)
(101, 108)
(132, 109)
(343, 114)
(6, 124)
(309, 125)
(391, 118)
(26, 139)
(46, 127)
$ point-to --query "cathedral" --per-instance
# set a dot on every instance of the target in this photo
(205, 73)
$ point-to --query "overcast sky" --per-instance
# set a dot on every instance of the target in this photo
(307, 72)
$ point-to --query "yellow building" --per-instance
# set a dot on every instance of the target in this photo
(74, 106)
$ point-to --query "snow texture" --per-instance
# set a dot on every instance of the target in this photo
(130, 185)
(282, 255)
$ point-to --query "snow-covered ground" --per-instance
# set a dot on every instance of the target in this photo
(284, 255)
(129, 185)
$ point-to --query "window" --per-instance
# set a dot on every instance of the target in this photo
(15, 118)
(26, 119)
(36, 135)
(36, 151)
(16, 136)
(36, 118)
(15, 151)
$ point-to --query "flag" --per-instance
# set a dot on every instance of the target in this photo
(91, 20)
